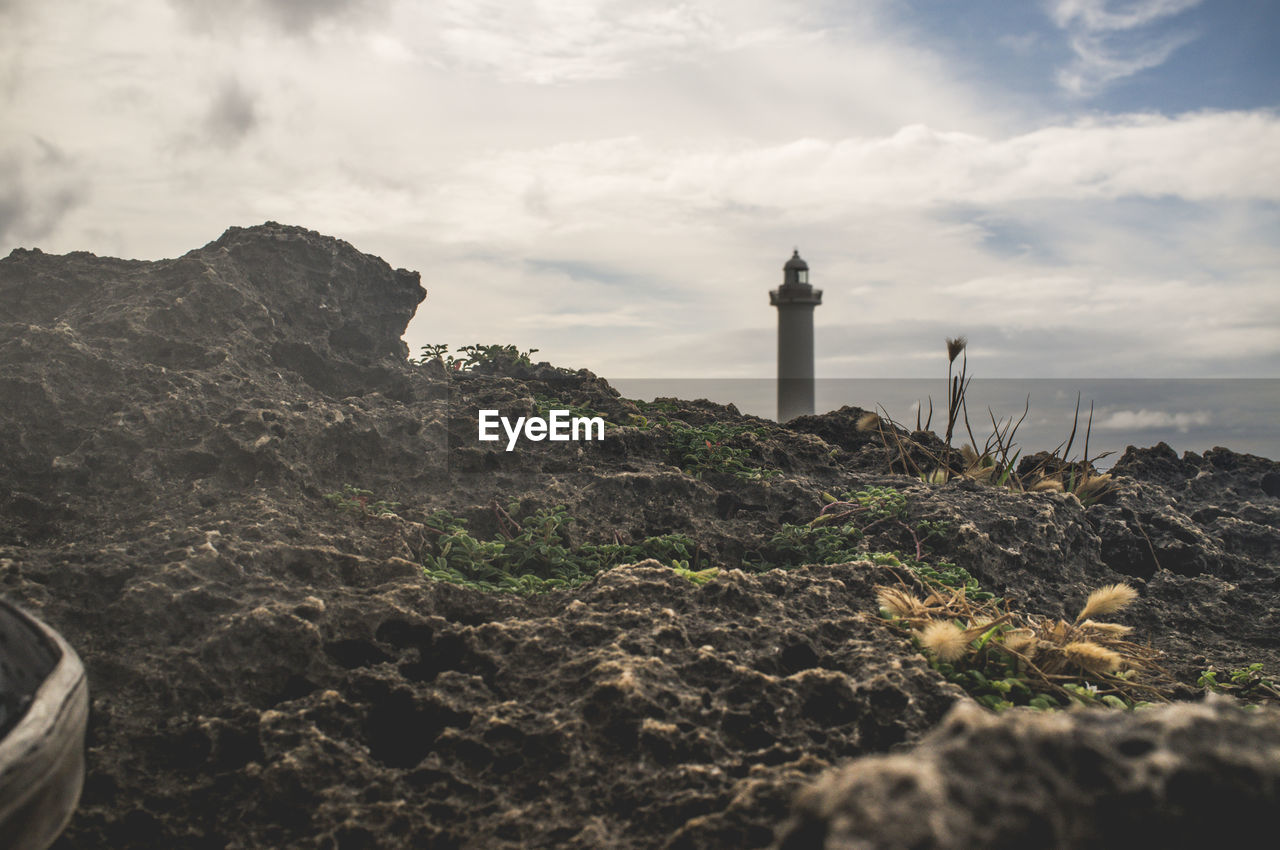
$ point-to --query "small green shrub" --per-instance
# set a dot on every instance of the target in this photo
(534, 555)
(868, 507)
(545, 404)
(434, 351)
(1245, 683)
(699, 449)
(476, 355)
(698, 577)
(928, 530)
(950, 577)
(354, 500)
(838, 534)
(794, 545)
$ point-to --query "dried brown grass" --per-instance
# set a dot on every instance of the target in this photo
(1047, 653)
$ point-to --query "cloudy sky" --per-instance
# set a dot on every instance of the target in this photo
(1085, 188)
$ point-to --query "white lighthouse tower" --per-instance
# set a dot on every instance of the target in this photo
(795, 301)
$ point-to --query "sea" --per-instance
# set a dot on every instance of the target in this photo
(1190, 415)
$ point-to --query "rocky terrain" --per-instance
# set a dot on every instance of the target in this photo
(222, 480)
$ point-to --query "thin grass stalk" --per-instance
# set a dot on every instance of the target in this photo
(1008, 472)
(960, 386)
(927, 421)
(1001, 447)
(1010, 467)
(1075, 422)
(964, 411)
(902, 452)
(1006, 441)
(1088, 429)
(1026, 408)
(956, 387)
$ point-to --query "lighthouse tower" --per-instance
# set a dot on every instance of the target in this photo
(795, 301)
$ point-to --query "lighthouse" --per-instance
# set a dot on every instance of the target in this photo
(795, 301)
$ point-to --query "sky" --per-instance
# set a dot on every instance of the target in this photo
(1083, 188)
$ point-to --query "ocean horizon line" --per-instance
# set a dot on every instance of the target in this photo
(1188, 414)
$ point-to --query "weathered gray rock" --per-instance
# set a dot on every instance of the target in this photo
(1175, 776)
(267, 671)
(124, 380)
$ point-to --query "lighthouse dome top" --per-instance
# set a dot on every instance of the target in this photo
(795, 272)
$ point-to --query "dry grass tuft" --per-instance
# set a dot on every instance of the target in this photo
(1092, 656)
(1092, 487)
(982, 474)
(1027, 659)
(1019, 640)
(1105, 628)
(944, 639)
(899, 602)
(1106, 600)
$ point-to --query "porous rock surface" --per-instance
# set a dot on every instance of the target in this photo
(267, 671)
(1185, 775)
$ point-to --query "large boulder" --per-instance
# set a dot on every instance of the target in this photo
(1177, 776)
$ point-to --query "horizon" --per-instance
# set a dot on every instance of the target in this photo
(1188, 415)
(1080, 187)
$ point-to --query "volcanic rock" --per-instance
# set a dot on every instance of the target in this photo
(269, 669)
(1176, 776)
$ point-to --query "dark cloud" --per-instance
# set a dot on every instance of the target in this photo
(39, 187)
(302, 15)
(51, 154)
(296, 17)
(232, 115)
(12, 201)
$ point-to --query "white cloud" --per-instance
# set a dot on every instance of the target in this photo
(1098, 64)
(589, 186)
(571, 40)
(708, 226)
(1153, 420)
(1096, 14)
(618, 183)
(621, 318)
(1107, 43)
